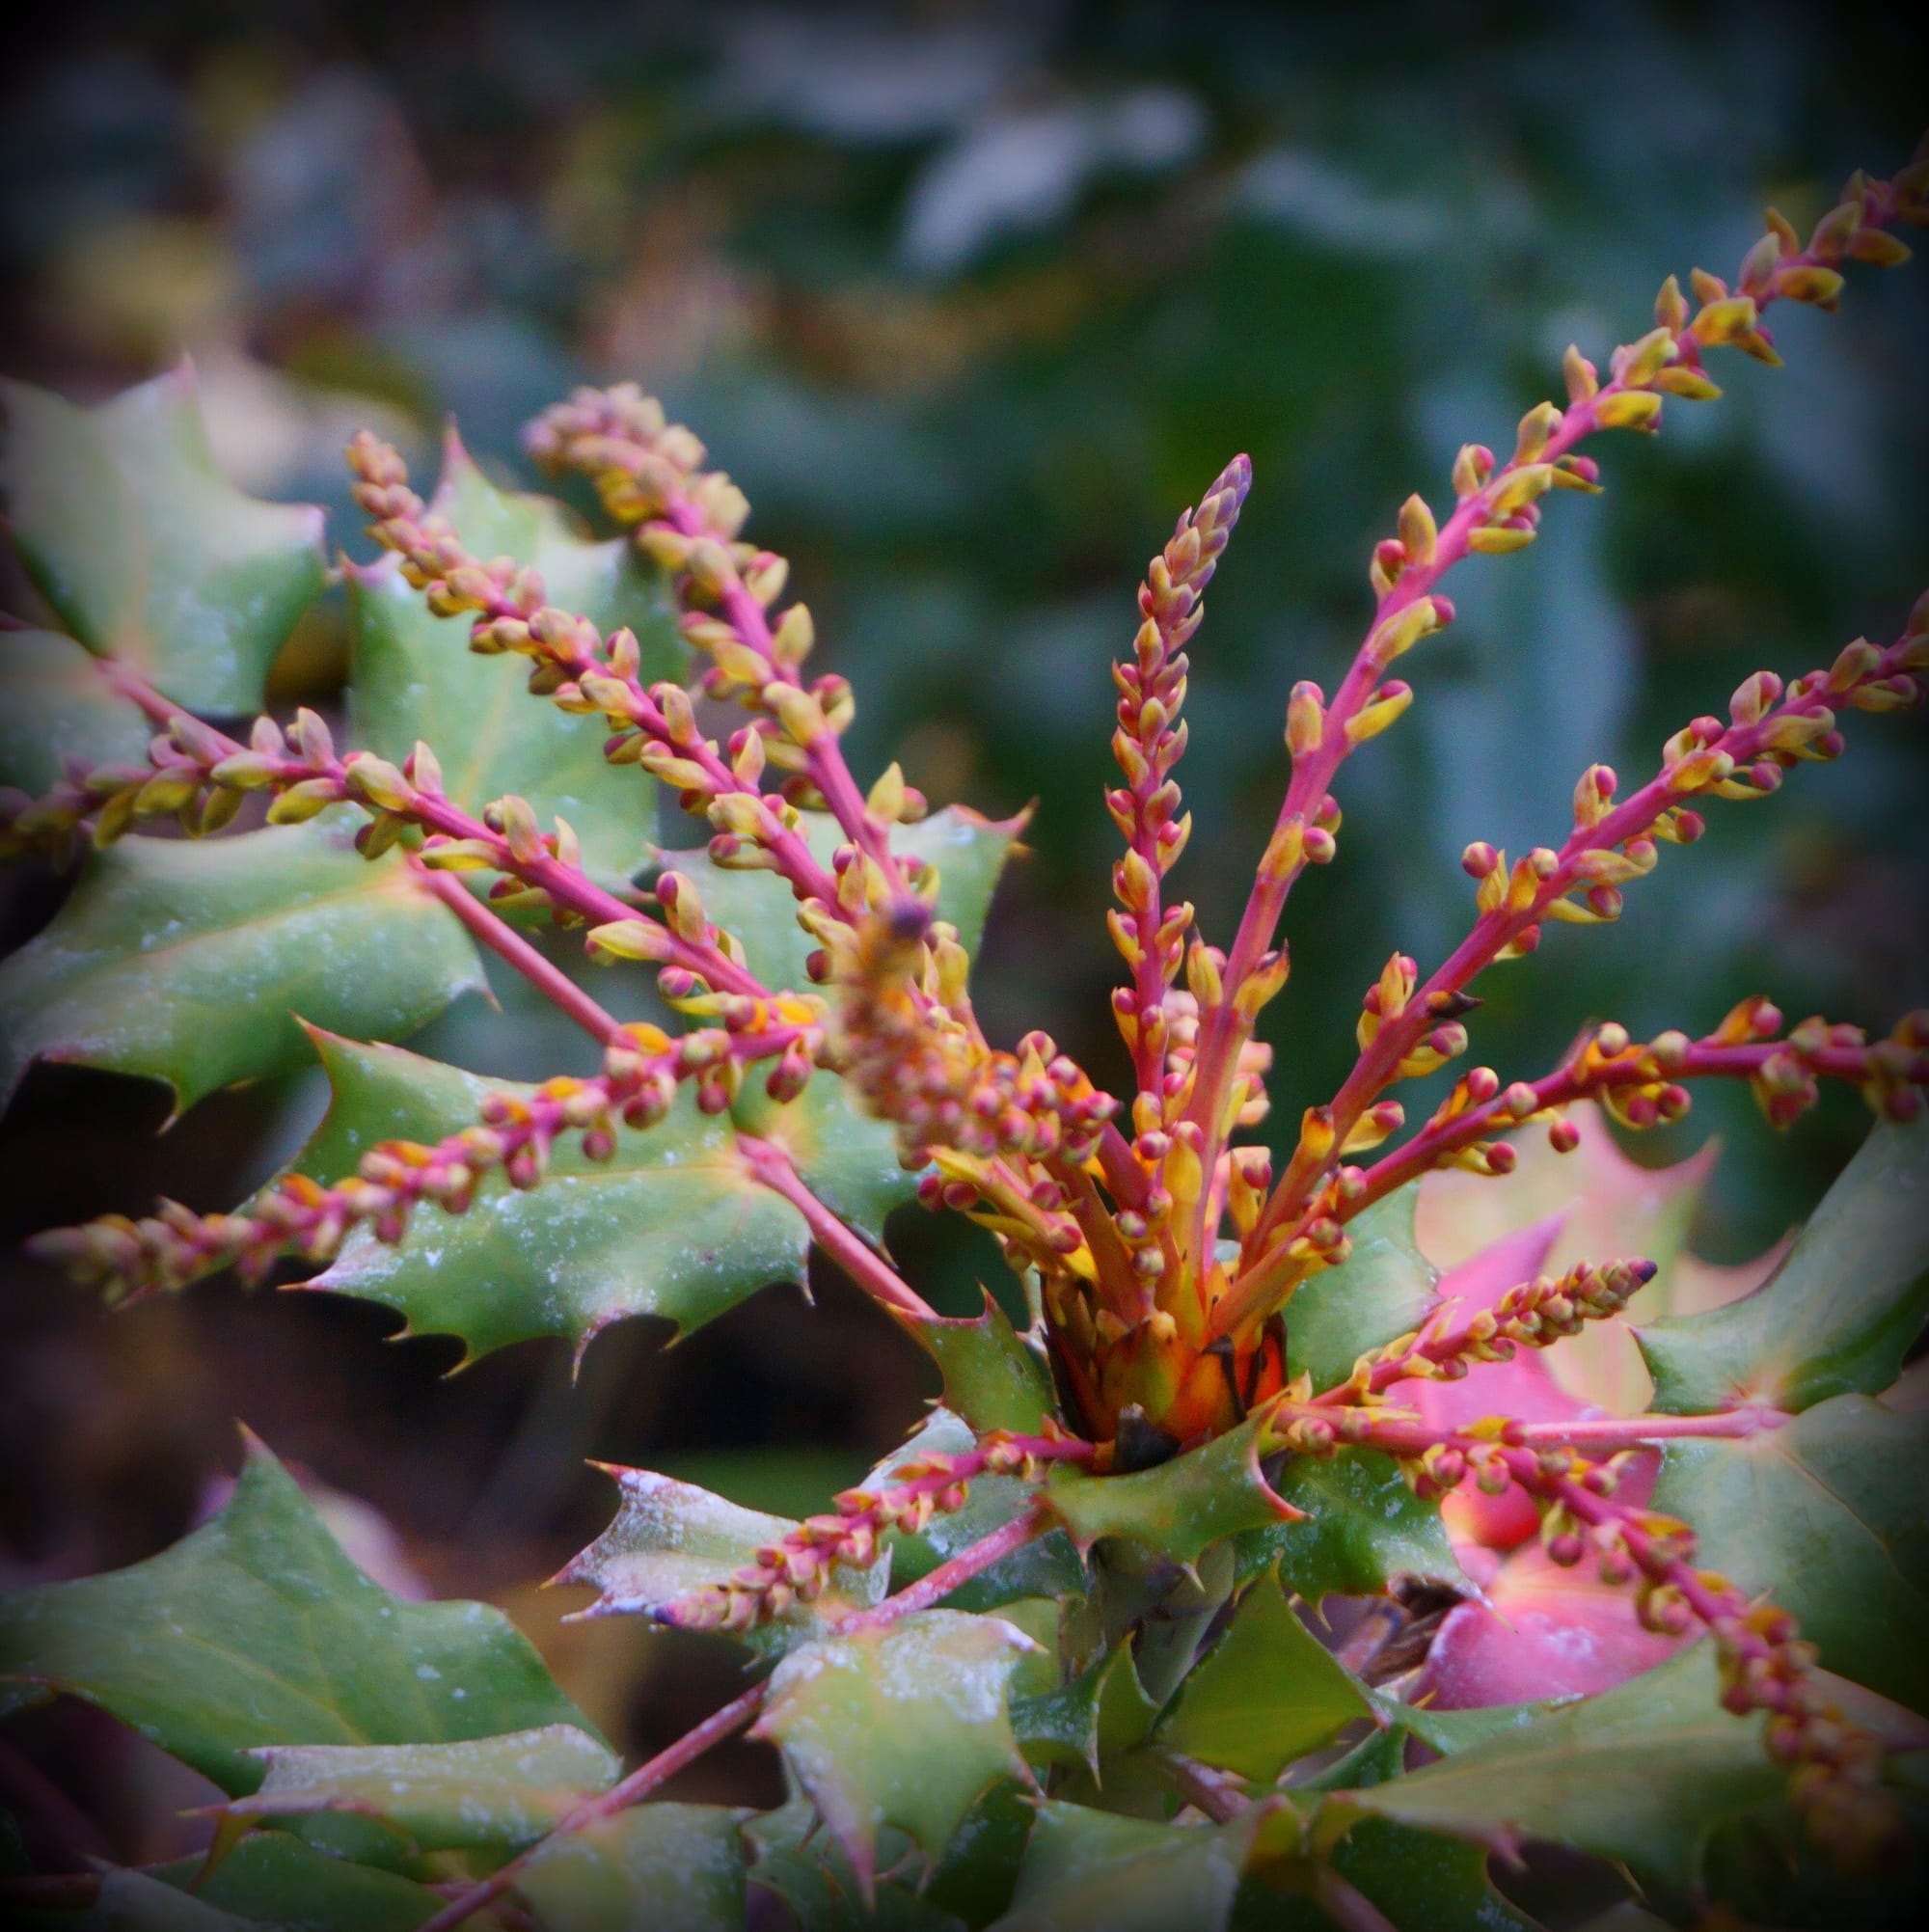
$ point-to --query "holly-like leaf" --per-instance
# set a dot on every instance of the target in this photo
(1640, 1775)
(129, 530)
(1383, 1289)
(55, 704)
(1085, 1870)
(668, 1866)
(801, 1865)
(992, 1377)
(479, 1793)
(968, 850)
(1363, 1526)
(282, 1880)
(1267, 1693)
(1046, 1567)
(1826, 1515)
(672, 1225)
(256, 1629)
(671, 1537)
(415, 677)
(186, 962)
(903, 1725)
(1838, 1314)
(1179, 1508)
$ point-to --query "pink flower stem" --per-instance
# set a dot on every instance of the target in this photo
(509, 945)
(936, 1585)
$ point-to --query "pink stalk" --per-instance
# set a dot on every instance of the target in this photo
(737, 1713)
(509, 945)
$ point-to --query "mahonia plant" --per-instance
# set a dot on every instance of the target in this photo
(1267, 1577)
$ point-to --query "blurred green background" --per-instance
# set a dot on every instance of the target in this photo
(972, 300)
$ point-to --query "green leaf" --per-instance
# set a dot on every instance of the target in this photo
(968, 850)
(488, 1792)
(277, 1877)
(127, 525)
(1179, 1508)
(849, 1161)
(671, 1537)
(1838, 1314)
(415, 677)
(1364, 1527)
(186, 962)
(130, 1902)
(256, 1629)
(901, 1726)
(1383, 1289)
(805, 1867)
(655, 1865)
(1827, 1517)
(1091, 1871)
(55, 704)
(672, 1225)
(1046, 1567)
(992, 1378)
(1640, 1775)
(1267, 1693)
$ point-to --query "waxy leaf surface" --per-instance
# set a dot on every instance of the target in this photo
(282, 1880)
(991, 1379)
(1383, 1289)
(55, 704)
(129, 530)
(671, 1866)
(671, 1537)
(188, 962)
(1838, 1314)
(1640, 1775)
(256, 1629)
(1826, 1515)
(415, 677)
(672, 1225)
(477, 1793)
(1266, 1694)
(901, 1726)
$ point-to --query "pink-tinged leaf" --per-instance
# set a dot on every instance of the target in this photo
(1543, 1632)
(1614, 1207)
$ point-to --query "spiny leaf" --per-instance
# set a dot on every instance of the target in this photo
(53, 704)
(1364, 1526)
(414, 676)
(256, 1629)
(1827, 1517)
(1046, 1567)
(1383, 1289)
(671, 1537)
(188, 962)
(1640, 1775)
(1267, 1693)
(668, 1866)
(1837, 1315)
(277, 1878)
(991, 1379)
(672, 1225)
(902, 1726)
(798, 1863)
(1085, 1870)
(1179, 1508)
(968, 850)
(126, 523)
(479, 1793)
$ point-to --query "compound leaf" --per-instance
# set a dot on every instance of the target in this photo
(186, 962)
(256, 1629)
(415, 677)
(904, 1725)
(129, 530)
(1836, 1317)
(1826, 1515)
(1267, 1693)
(668, 1866)
(672, 1225)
